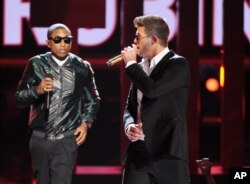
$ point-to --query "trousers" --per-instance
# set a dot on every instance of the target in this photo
(139, 167)
(53, 161)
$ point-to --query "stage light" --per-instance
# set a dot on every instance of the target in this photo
(210, 90)
(212, 84)
(222, 76)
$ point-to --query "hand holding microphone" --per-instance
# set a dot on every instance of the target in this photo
(48, 87)
(45, 87)
(127, 54)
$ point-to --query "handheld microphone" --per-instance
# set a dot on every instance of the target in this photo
(47, 102)
(114, 60)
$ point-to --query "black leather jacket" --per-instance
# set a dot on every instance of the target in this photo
(74, 98)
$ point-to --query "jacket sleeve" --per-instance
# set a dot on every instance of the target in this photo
(26, 93)
(91, 98)
(127, 115)
(173, 75)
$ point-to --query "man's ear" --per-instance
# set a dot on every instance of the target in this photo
(154, 39)
(48, 43)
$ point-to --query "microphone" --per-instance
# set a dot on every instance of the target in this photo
(47, 102)
(114, 60)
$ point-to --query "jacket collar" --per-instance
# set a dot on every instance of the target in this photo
(165, 60)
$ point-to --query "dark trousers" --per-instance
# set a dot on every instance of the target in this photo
(170, 171)
(165, 172)
(138, 165)
(53, 161)
(139, 168)
(132, 175)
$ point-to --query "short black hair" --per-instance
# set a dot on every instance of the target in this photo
(57, 26)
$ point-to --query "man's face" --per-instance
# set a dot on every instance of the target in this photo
(143, 42)
(60, 42)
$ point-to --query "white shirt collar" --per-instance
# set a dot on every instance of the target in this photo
(155, 60)
(59, 62)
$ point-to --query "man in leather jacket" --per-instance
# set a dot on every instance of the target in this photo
(60, 89)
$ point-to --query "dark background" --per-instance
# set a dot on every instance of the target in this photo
(104, 144)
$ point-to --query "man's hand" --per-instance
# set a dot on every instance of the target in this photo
(134, 132)
(129, 53)
(81, 133)
(45, 85)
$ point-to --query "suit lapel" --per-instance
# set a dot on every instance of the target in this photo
(165, 60)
